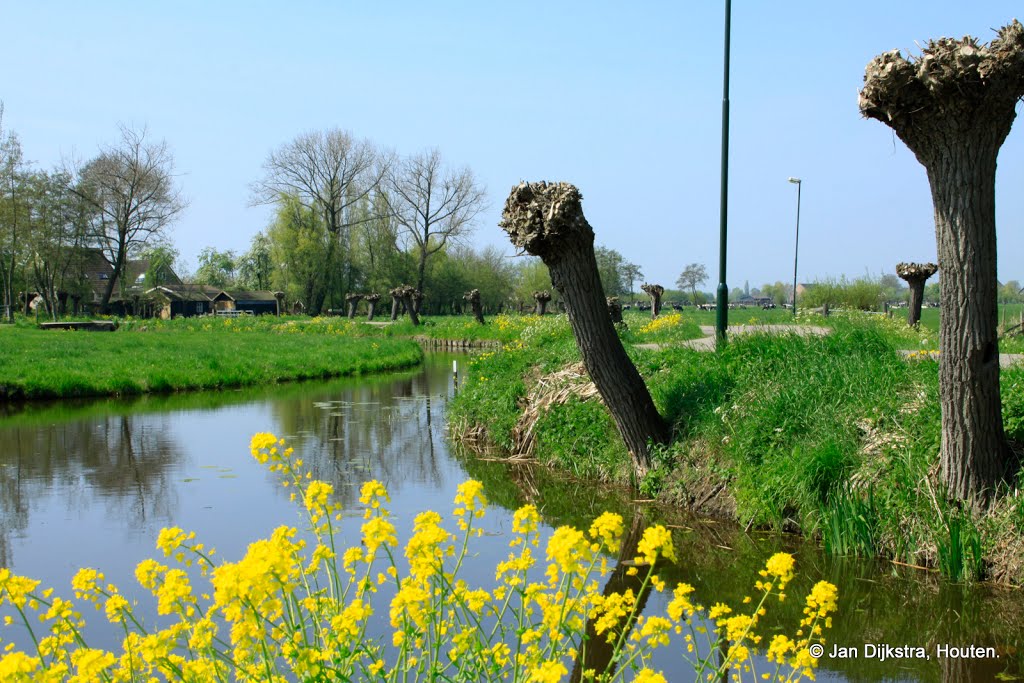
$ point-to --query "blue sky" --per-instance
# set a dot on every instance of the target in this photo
(624, 102)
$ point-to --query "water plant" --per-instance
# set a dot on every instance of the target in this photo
(302, 607)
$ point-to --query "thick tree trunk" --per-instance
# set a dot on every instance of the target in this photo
(655, 292)
(542, 299)
(953, 106)
(410, 308)
(915, 275)
(916, 300)
(353, 303)
(575, 276)
(396, 302)
(975, 456)
(547, 220)
(371, 305)
(407, 296)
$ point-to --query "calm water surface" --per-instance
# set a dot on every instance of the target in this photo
(92, 483)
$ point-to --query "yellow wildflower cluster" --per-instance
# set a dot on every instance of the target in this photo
(291, 610)
(929, 354)
(663, 322)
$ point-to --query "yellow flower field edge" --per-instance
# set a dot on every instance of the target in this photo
(291, 609)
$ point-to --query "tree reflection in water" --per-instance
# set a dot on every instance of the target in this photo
(124, 464)
(376, 430)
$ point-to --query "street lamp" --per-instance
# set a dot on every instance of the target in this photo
(722, 303)
(796, 244)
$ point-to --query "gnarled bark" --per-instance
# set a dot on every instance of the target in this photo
(542, 298)
(655, 292)
(546, 220)
(473, 297)
(279, 296)
(953, 106)
(915, 274)
(417, 301)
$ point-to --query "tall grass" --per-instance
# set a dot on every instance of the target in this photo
(836, 435)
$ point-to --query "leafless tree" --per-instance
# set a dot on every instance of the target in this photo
(953, 106)
(431, 205)
(329, 173)
(131, 190)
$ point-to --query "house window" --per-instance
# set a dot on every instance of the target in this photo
(199, 307)
(104, 276)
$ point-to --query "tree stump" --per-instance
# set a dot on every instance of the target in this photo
(542, 297)
(417, 301)
(473, 297)
(655, 292)
(953, 106)
(915, 274)
(546, 220)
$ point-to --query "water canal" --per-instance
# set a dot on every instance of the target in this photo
(92, 483)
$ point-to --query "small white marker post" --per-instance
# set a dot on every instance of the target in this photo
(455, 372)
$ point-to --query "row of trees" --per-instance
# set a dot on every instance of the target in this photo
(350, 217)
(116, 205)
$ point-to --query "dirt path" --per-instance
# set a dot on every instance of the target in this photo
(707, 342)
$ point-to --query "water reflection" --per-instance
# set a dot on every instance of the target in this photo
(878, 602)
(91, 483)
(110, 461)
(379, 431)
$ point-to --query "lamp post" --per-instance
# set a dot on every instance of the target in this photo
(796, 244)
(722, 303)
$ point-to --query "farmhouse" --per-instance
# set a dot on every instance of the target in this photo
(173, 301)
(176, 301)
(255, 302)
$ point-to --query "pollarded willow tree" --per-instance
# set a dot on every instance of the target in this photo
(546, 220)
(473, 297)
(953, 106)
(915, 275)
(655, 292)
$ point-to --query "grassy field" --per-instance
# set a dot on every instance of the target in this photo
(141, 357)
(837, 436)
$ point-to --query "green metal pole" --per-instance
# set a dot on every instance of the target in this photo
(796, 246)
(722, 316)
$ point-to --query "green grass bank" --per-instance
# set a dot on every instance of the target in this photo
(153, 356)
(836, 437)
